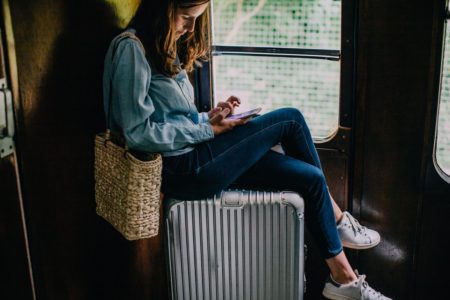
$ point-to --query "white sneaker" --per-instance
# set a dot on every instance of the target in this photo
(354, 235)
(356, 290)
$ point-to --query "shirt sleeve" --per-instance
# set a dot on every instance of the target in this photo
(134, 107)
(203, 117)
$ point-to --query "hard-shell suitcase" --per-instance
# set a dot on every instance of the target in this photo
(239, 244)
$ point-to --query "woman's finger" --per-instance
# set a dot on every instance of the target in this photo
(235, 101)
(225, 105)
(214, 111)
(219, 116)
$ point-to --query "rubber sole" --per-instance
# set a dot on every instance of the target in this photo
(359, 246)
(334, 296)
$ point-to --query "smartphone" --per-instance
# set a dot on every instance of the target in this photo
(246, 114)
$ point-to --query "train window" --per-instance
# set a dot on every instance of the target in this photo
(277, 53)
(443, 126)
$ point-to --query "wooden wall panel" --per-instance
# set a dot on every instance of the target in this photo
(393, 63)
(76, 255)
(431, 255)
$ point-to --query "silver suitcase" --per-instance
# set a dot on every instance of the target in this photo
(239, 244)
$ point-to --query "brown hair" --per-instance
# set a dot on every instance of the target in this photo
(154, 24)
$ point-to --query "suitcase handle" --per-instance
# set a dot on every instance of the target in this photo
(232, 199)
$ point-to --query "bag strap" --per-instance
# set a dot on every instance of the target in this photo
(124, 35)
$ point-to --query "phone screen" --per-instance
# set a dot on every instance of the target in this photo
(245, 114)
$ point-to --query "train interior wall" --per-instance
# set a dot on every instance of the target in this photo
(60, 46)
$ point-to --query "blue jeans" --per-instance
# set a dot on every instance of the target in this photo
(243, 156)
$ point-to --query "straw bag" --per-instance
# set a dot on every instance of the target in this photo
(127, 184)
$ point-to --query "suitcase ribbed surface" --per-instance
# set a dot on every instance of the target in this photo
(237, 245)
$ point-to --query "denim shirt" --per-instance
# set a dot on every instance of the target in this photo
(155, 113)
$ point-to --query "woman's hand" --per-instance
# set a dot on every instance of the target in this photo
(220, 124)
(231, 103)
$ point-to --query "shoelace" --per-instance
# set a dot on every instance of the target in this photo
(356, 226)
(365, 288)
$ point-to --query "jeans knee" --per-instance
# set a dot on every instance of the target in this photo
(318, 181)
(293, 114)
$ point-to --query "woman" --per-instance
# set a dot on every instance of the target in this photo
(152, 104)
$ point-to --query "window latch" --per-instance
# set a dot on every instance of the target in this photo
(6, 121)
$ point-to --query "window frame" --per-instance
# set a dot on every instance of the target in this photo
(342, 138)
(445, 20)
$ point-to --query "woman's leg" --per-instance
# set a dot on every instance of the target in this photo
(216, 164)
(338, 214)
(243, 146)
(281, 172)
(310, 157)
(340, 269)
(277, 171)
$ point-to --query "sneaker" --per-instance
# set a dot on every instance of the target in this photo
(355, 290)
(354, 235)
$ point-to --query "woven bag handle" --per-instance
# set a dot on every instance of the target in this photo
(121, 37)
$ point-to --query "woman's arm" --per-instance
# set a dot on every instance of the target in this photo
(133, 107)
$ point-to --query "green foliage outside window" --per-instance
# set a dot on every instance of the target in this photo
(309, 84)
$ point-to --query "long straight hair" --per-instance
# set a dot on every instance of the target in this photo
(154, 24)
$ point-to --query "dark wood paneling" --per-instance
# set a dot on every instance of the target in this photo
(335, 166)
(15, 280)
(76, 255)
(393, 63)
(431, 255)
